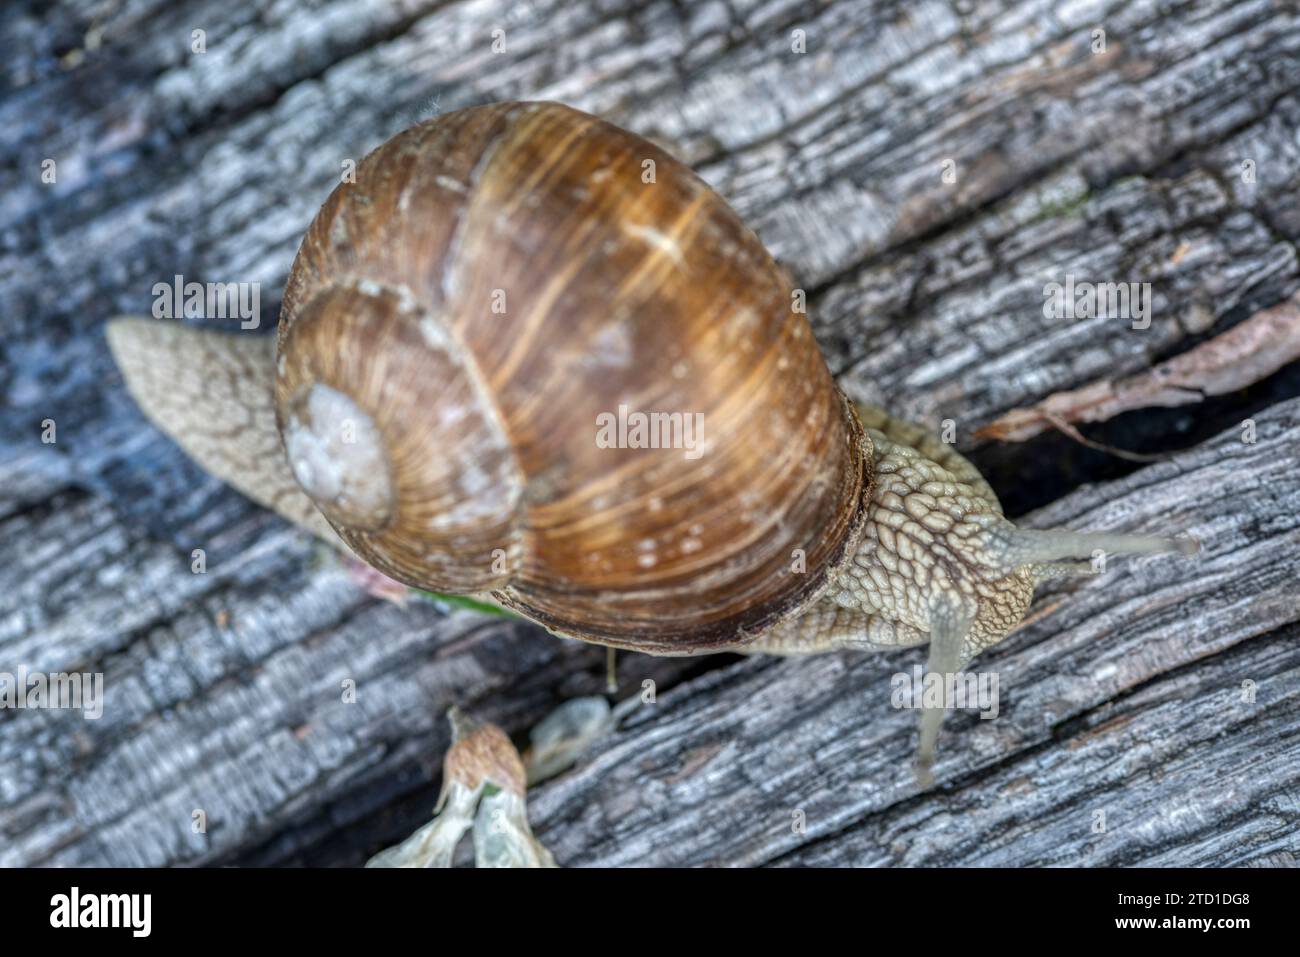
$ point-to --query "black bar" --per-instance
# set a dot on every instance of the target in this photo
(234, 906)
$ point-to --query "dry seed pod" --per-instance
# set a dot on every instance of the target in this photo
(483, 771)
(459, 320)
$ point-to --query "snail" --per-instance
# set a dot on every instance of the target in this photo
(460, 329)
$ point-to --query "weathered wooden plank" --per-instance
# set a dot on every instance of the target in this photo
(1141, 668)
(926, 296)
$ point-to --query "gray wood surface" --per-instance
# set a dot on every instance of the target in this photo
(1121, 695)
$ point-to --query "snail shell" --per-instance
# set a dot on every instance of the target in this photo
(459, 318)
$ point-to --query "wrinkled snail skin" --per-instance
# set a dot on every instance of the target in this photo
(213, 393)
(456, 321)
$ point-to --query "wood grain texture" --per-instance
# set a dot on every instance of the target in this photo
(926, 296)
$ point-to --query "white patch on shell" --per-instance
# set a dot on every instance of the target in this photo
(743, 321)
(435, 337)
(339, 231)
(660, 241)
(647, 557)
(474, 480)
(338, 455)
(612, 346)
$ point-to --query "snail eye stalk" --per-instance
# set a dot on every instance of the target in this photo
(1060, 551)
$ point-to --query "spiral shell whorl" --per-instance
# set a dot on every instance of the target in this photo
(435, 506)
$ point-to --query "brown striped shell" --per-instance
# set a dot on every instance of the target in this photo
(462, 320)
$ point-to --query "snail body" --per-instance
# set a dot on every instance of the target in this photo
(496, 284)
